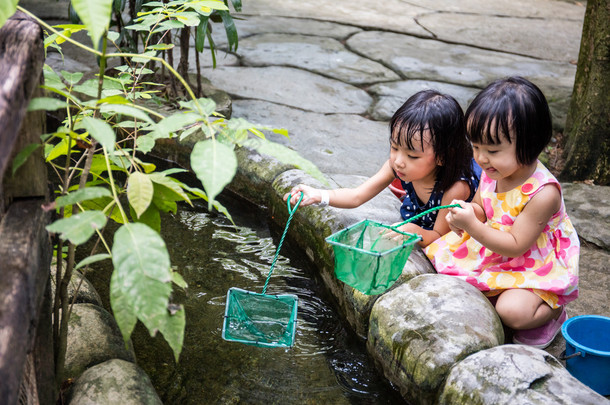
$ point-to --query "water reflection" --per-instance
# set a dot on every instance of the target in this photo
(327, 365)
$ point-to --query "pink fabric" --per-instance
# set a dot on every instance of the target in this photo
(549, 268)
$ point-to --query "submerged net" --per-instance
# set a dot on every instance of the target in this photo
(260, 319)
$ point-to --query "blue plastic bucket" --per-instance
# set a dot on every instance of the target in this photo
(587, 352)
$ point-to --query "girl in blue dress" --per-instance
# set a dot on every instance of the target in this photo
(429, 153)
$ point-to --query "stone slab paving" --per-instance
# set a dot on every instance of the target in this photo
(531, 36)
(390, 96)
(291, 87)
(417, 58)
(323, 55)
(334, 142)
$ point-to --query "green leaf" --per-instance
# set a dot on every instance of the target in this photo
(165, 199)
(207, 105)
(188, 18)
(150, 217)
(46, 103)
(60, 149)
(7, 9)
(178, 280)
(172, 184)
(230, 29)
(123, 109)
(92, 259)
(145, 143)
(78, 228)
(23, 156)
(236, 5)
(105, 204)
(139, 192)
(200, 33)
(215, 165)
(101, 131)
(141, 285)
(174, 123)
(122, 309)
(87, 193)
(72, 78)
(95, 15)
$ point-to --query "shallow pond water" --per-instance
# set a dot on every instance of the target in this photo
(327, 365)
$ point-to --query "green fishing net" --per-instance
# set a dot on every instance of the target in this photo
(260, 319)
(264, 320)
(366, 259)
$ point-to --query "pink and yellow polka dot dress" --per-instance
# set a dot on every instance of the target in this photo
(549, 268)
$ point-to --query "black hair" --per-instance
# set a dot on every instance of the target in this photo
(443, 117)
(514, 109)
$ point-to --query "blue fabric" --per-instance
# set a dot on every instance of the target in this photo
(411, 205)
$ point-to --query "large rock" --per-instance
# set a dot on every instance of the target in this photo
(80, 289)
(419, 330)
(514, 374)
(114, 382)
(93, 337)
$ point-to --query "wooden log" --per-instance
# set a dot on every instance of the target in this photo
(25, 252)
(21, 61)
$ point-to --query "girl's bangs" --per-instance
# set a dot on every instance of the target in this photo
(488, 127)
(405, 134)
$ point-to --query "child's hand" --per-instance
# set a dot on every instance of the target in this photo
(408, 228)
(310, 195)
(459, 218)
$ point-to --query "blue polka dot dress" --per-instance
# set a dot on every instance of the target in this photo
(411, 205)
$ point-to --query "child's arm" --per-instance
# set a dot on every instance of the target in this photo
(459, 191)
(477, 206)
(345, 197)
(527, 227)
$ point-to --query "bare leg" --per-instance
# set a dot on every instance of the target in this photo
(522, 309)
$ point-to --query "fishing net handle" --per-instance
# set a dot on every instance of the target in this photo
(291, 211)
(421, 214)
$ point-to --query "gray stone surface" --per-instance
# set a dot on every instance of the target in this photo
(254, 24)
(80, 290)
(417, 58)
(93, 337)
(514, 374)
(419, 330)
(114, 382)
(359, 13)
(323, 55)
(291, 87)
(528, 36)
(336, 143)
(589, 209)
(390, 96)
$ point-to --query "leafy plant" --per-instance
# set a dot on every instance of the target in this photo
(99, 152)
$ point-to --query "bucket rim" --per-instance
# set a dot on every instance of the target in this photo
(577, 345)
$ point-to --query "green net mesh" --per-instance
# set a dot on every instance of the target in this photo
(260, 319)
(368, 261)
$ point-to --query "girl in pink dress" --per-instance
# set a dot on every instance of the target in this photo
(515, 241)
